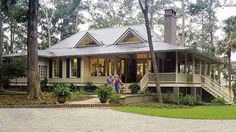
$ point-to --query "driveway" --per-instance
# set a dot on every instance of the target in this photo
(101, 120)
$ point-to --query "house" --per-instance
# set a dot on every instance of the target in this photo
(91, 56)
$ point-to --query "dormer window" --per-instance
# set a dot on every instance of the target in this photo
(87, 40)
(129, 37)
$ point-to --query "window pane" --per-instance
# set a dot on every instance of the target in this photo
(43, 71)
(74, 67)
(101, 67)
(93, 67)
(56, 67)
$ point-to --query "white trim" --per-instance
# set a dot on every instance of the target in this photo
(125, 34)
(85, 35)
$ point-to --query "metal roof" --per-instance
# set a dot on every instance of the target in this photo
(108, 38)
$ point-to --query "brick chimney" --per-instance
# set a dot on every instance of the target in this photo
(170, 26)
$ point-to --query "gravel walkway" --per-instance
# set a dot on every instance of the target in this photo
(101, 120)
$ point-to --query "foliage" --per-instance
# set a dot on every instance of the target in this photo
(134, 88)
(43, 84)
(219, 100)
(14, 69)
(187, 100)
(203, 13)
(104, 91)
(114, 98)
(199, 112)
(62, 90)
(172, 98)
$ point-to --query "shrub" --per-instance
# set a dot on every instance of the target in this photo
(187, 100)
(43, 84)
(134, 88)
(218, 100)
(104, 92)
(61, 90)
(171, 98)
(114, 98)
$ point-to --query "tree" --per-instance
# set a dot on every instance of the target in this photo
(16, 18)
(228, 45)
(203, 13)
(4, 4)
(33, 85)
(111, 13)
(13, 70)
(64, 19)
(145, 7)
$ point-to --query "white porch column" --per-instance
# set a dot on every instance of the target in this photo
(185, 63)
(82, 69)
(106, 66)
(209, 68)
(115, 65)
(193, 58)
(63, 67)
(176, 66)
(147, 59)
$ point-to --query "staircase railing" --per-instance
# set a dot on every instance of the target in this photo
(215, 89)
(143, 82)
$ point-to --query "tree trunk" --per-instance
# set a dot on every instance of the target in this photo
(49, 32)
(34, 91)
(211, 32)
(229, 69)
(183, 24)
(153, 56)
(1, 41)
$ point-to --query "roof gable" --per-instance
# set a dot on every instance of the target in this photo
(129, 37)
(87, 40)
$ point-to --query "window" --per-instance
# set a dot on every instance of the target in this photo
(93, 67)
(56, 67)
(74, 67)
(97, 67)
(131, 38)
(101, 67)
(43, 71)
(87, 41)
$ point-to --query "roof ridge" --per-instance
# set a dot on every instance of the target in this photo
(127, 26)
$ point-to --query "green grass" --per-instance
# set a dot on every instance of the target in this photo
(198, 112)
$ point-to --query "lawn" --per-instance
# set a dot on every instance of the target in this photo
(197, 112)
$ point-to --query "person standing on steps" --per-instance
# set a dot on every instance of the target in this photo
(117, 83)
(110, 81)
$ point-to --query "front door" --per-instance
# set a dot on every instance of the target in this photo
(141, 69)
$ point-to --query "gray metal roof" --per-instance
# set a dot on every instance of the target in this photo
(107, 37)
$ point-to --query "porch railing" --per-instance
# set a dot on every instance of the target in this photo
(163, 77)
